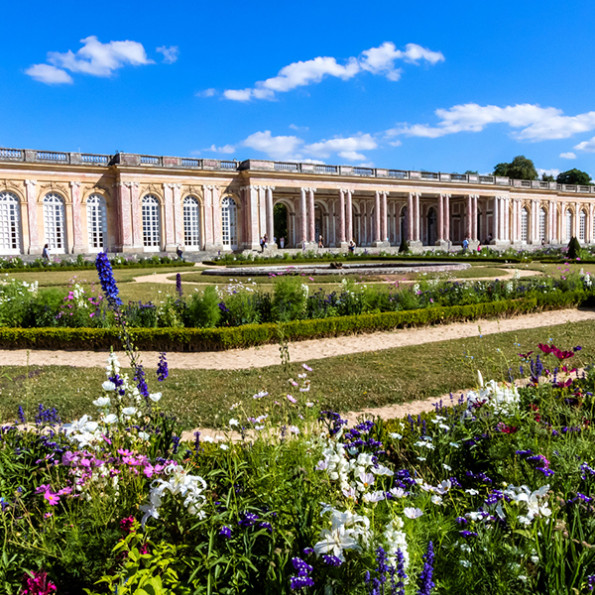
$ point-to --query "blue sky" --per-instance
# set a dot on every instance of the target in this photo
(440, 86)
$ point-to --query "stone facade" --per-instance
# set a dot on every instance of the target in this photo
(84, 203)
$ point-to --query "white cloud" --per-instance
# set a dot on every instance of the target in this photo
(568, 155)
(94, 58)
(294, 148)
(296, 127)
(344, 147)
(170, 54)
(535, 123)
(45, 73)
(227, 149)
(586, 145)
(206, 93)
(277, 147)
(379, 61)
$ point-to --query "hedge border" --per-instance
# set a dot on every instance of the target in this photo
(219, 339)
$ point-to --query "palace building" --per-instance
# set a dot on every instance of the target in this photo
(81, 203)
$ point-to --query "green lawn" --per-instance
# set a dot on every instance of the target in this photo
(349, 382)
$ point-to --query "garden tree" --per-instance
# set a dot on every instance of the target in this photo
(574, 248)
(574, 176)
(547, 177)
(520, 168)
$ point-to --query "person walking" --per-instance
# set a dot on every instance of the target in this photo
(351, 247)
(46, 253)
(320, 242)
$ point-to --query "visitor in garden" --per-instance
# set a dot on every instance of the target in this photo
(351, 246)
(320, 242)
(261, 244)
(180, 252)
(282, 242)
(465, 245)
(46, 253)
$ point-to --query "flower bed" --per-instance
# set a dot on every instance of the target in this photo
(499, 484)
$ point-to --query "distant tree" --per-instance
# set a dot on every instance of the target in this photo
(520, 168)
(547, 177)
(471, 171)
(574, 248)
(574, 176)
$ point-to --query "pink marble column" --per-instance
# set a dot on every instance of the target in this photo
(384, 217)
(136, 216)
(495, 221)
(178, 215)
(440, 218)
(475, 214)
(35, 245)
(410, 230)
(417, 218)
(377, 217)
(207, 205)
(124, 217)
(304, 217)
(168, 213)
(349, 216)
(342, 216)
(78, 244)
(216, 210)
(446, 218)
(312, 215)
(469, 222)
(270, 219)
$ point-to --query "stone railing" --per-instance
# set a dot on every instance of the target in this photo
(257, 165)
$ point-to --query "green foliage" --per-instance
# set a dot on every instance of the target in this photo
(574, 176)
(289, 299)
(520, 168)
(202, 309)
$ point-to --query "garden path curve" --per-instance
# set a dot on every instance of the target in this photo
(268, 355)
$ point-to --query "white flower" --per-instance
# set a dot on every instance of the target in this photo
(144, 436)
(398, 492)
(374, 496)
(260, 395)
(395, 436)
(224, 447)
(108, 386)
(436, 499)
(234, 422)
(472, 492)
(102, 402)
(110, 418)
(155, 397)
(129, 411)
(412, 513)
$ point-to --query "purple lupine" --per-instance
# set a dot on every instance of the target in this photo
(21, 414)
(427, 584)
(399, 587)
(162, 369)
(225, 531)
(107, 280)
(179, 284)
(141, 383)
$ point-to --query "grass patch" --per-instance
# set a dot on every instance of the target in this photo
(344, 383)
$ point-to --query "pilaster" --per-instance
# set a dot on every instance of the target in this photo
(79, 246)
(35, 246)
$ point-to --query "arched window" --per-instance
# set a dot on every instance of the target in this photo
(97, 223)
(582, 226)
(54, 222)
(524, 224)
(229, 222)
(151, 222)
(568, 224)
(542, 223)
(191, 222)
(10, 224)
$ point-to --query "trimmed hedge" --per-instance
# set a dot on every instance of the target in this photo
(217, 339)
(91, 266)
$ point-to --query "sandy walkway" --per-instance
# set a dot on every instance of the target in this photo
(268, 355)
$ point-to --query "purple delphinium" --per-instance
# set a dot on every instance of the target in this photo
(21, 414)
(162, 369)
(425, 578)
(107, 280)
(225, 531)
(179, 284)
(330, 560)
(141, 383)
(303, 578)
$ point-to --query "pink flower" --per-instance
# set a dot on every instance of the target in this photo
(307, 367)
(291, 399)
(52, 499)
